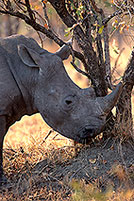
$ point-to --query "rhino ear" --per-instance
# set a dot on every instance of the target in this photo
(28, 56)
(64, 52)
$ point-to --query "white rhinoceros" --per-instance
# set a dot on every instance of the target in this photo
(34, 80)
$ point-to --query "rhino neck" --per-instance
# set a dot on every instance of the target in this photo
(27, 98)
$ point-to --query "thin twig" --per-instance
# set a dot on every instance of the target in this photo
(98, 10)
(46, 136)
(30, 11)
(95, 10)
(55, 136)
(73, 63)
(106, 20)
(79, 169)
(35, 25)
(79, 70)
(20, 7)
(116, 62)
(45, 14)
(108, 76)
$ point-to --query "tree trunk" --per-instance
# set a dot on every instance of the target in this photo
(124, 106)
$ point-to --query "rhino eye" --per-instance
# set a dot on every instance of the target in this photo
(68, 102)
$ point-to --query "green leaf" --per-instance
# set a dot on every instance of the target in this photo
(67, 34)
(107, 4)
(101, 29)
(50, 11)
(68, 29)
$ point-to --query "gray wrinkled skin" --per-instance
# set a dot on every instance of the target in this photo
(33, 80)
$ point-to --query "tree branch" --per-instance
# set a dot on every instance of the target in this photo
(106, 20)
(45, 14)
(79, 70)
(86, 46)
(108, 76)
(40, 28)
(29, 10)
(97, 10)
(59, 6)
(35, 25)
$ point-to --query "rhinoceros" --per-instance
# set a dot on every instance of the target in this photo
(34, 80)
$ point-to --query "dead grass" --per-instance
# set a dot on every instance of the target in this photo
(56, 174)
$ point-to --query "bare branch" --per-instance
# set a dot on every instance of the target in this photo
(39, 28)
(97, 10)
(128, 77)
(20, 5)
(30, 12)
(45, 14)
(106, 20)
(80, 71)
(107, 58)
(123, 8)
(106, 67)
(90, 6)
(116, 62)
(60, 8)
(92, 62)
(35, 25)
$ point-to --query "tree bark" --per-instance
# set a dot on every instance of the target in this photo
(124, 106)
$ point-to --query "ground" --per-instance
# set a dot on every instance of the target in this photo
(99, 171)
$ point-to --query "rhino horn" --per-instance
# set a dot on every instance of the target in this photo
(107, 102)
(64, 52)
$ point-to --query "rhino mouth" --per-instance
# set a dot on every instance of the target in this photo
(88, 132)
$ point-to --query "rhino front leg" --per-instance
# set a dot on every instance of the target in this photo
(2, 134)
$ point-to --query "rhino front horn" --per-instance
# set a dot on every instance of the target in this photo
(108, 102)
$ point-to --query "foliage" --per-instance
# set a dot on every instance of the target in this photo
(85, 192)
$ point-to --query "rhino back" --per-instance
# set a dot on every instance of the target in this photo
(12, 70)
(10, 44)
(10, 96)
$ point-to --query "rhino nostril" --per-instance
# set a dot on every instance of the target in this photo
(89, 130)
(68, 102)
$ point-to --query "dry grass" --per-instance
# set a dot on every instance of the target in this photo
(37, 173)
(30, 180)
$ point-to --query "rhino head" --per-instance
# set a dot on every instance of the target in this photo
(73, 112)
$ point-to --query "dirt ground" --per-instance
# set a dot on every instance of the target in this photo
(107, 164)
